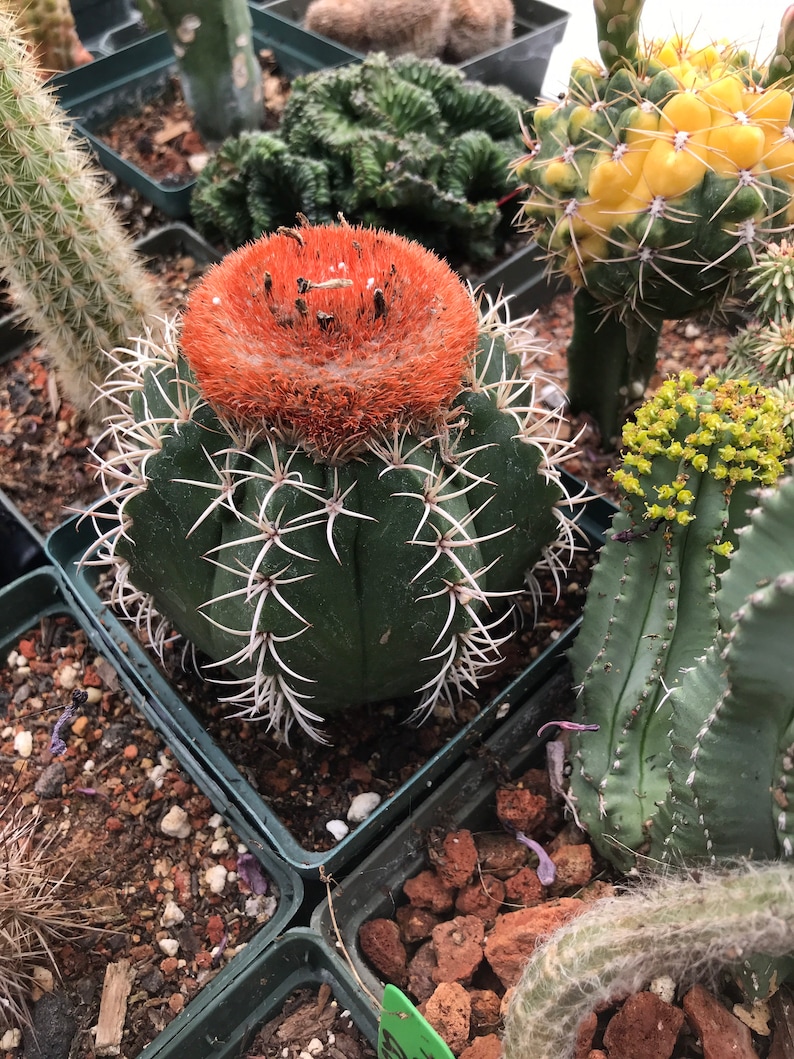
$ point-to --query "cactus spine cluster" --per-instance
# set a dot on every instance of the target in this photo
(405, 144)
(48, 26)
(652, 186)
(453, 30)
(683, 927)
(334, 478)
(68, 262)
(695, 458)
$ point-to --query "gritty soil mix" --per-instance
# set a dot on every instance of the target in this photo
(311, 1022)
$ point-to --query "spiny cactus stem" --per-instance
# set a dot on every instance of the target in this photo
(619, 353)
(779, 71)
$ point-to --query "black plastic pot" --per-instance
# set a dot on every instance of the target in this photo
(201, 756)
(94, 19)
(97, 93)
(522, 277)
(21, 547)
(521, 64)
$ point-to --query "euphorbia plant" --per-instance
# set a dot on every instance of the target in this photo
(333, 476)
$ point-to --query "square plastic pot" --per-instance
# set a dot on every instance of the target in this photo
(94, 95)
(223, 1025)
(521, 64)
(202, 756)
(94, 19)
(466, 800)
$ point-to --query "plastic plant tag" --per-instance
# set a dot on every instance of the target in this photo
(405, 1034)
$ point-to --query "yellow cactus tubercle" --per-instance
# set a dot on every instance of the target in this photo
(779, 155)
(735, 146)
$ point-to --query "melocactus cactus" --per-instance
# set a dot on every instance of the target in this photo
(652, 186)
(694, 459)
(333, 477)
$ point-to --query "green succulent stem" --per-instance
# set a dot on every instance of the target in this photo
(618, 26)
(781, 66)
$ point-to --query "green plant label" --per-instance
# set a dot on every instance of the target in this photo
(404, 1033)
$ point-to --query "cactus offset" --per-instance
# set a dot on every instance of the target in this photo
(695, 457)
(334, 481)
(68, 262)
(653, 184)
(687, 928)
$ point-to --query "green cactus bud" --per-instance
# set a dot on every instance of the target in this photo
(332, 484)
(693, 460)
(70, 266)
(686, 927)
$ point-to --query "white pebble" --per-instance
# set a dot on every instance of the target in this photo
(315, 1046)
(156, 775)
(361, 806)
(67, 677)
(170, 946)
(216, 820)
(94, 696)
(175, 823)
(172, 914)
(553, 396)
(338, 829)
(664, 988)
(11, 659)
(215, 878)
(220, 845)
(11, 1039)
(23, 743)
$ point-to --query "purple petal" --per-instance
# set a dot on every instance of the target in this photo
(546, 871)
(569, 726)
(249, 871)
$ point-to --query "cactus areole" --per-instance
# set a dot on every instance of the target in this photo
(333, 478)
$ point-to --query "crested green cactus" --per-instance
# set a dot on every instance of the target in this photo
(652, 186)
(695, 457)
(69, 264)
(685, 927)
(405, 144)
(333, 478)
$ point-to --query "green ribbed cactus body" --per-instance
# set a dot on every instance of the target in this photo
(695, 458)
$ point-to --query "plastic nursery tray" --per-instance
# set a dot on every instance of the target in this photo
(224, 1026)
(466, 800)
(94, 95)
(41, 594)
(21, 546)
(202, 757)
(521, 64)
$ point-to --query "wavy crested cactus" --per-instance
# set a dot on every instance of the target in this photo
(652, 186)
(48, 26)
(69, 264)
(334, 478)
(687, 928)
(694, 459)
(405, 144)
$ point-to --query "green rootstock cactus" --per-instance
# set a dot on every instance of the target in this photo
(652, 186)
(405, 144)
(695, 457)
(687, 928)
(335, 477)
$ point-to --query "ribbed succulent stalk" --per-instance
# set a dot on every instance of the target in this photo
(653, 184)
(334, 479)
(694, 458)
(218, 68)
(70, 266)
(689, 928)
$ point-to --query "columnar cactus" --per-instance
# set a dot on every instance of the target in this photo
(689, 928)
(334, 478)
(48, 26)
(694, 458)
(406, 144)
(69, 264)
(652, 185)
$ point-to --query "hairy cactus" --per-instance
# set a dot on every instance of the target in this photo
(477, 26)
(652, 186)
(68, 262)
(406, 144)
(218, 68)
(48, 27)
(694, 459)
(686, 927)
(334, 480)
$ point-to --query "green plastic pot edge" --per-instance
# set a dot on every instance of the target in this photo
(466, 800)
(208, 764)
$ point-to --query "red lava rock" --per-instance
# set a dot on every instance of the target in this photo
(574, 866)
(420, 972)
(215, 929)
(415, 924)
(113, 824)
(500, 855)
(426, 890)
(380, 943)
(169, 965)
(459, 948)
(360, 773)
(485, 1011)
(585, 1035)
(176, 1002)
(448, 1011)
(521, 809)
(516, 934)
(482, 898)
(457, 860)
(203, 960)
(524, 888)
(27, 648)
(646, 1025)
(488, 1047)
(90, 678)
(721, 1033)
